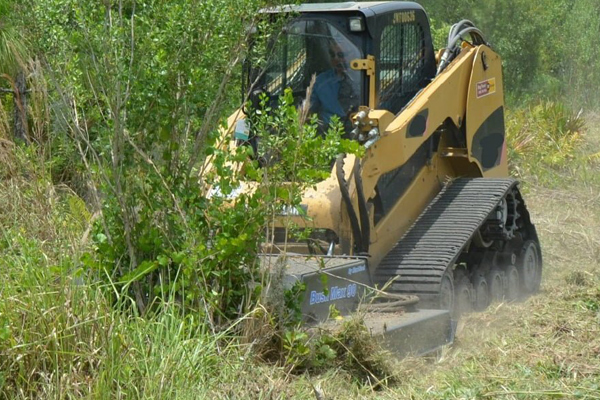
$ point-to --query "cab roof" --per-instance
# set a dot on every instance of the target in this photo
(368, 8)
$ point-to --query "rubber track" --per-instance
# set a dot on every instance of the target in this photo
(439, 235)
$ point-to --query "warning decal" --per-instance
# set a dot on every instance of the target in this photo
(486, 87)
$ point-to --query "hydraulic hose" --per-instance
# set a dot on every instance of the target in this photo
(365, 224)
(389, 302)
(455, 35)
(348, 201)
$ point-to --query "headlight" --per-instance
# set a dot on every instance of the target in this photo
(356, 24)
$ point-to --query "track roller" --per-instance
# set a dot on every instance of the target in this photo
(482, 295)
(530, 267)
(447, 292)
(496, 280)
(512, 283)
(463, 294)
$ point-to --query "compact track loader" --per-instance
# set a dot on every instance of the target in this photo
(429, 215)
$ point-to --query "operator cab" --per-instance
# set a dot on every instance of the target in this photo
(374, 54)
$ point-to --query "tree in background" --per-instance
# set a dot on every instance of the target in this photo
(548, 47)
(580, 37)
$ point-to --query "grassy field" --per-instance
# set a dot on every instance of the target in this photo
(60, 339)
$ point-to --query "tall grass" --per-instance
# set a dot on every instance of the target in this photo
(63, 336)
(65, 333)
(62, 340)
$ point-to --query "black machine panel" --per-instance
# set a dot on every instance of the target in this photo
(488, 141)
(392, 185)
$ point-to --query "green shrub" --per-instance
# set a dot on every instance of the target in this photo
(543, 137)
(348, 346)
(169, 235)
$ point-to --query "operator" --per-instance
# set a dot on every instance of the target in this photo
(334, 92)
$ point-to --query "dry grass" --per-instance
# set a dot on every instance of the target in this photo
(7, 159)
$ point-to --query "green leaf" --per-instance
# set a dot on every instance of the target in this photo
(143, 269)
(324, 281)
(101, 238)
(163, 260)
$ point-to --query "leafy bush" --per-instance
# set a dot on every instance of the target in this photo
(198, 242)
(64, 330)
(131, 109)
(169, 222)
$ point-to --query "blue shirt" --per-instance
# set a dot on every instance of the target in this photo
(324, 98)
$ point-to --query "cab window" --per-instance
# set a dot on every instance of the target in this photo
(401, 65)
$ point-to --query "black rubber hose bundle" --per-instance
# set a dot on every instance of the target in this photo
(456, 34)
(365, 224)
(356, 232)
